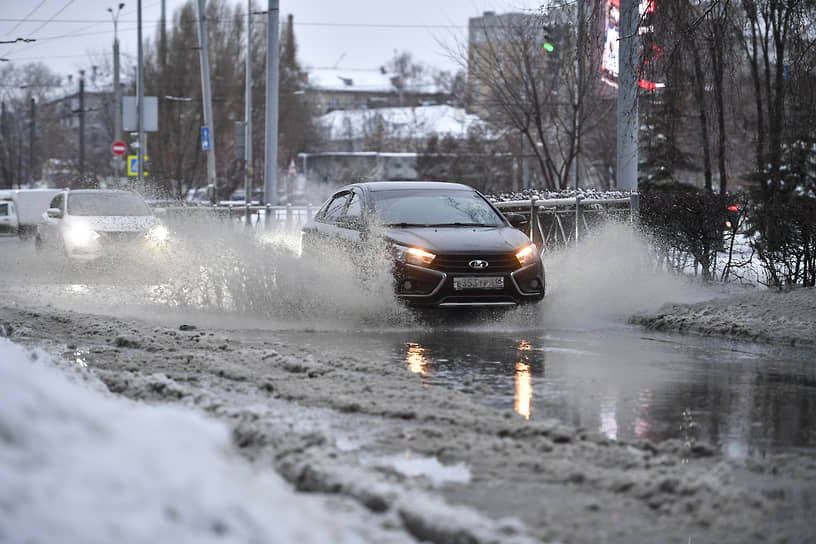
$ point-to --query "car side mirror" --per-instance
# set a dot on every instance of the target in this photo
(54, 213)
(516, 220)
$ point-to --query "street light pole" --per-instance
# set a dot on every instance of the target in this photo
(117, 92)
(140, 153)
(248, 170)
(271, 137)
(206, 97)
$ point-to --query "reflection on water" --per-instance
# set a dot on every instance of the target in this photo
(523, 380)
(416, 359)
(609, 421)
(744, 400)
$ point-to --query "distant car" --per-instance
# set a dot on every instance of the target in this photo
(93, 223)
(451, 247)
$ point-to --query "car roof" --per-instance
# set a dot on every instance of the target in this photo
(81, 191)
(402, 185)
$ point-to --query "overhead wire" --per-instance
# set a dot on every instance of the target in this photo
(24, 19)
(34, 32)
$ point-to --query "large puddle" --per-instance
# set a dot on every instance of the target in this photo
(619, 381)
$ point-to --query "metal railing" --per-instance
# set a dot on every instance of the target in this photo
(287, 217)
(551, 222)
(562, 221)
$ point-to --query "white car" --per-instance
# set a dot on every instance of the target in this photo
(92, 223)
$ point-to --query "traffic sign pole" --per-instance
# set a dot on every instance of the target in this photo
(118, 148)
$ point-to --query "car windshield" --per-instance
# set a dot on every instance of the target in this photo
(437, 208)
(100, 204)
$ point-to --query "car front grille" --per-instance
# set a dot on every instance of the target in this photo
(122, 237)
(458, 264)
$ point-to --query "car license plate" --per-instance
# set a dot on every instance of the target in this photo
(492, 282)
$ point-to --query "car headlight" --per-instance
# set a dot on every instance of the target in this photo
(80, 235)
(158, 233)
(527, 255)
(413, 255)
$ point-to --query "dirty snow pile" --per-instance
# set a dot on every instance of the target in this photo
(760, 316)
(79, 465)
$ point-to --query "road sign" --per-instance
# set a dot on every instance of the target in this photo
(118, 148)
(133, 165)
(205, 138)
(150, 117)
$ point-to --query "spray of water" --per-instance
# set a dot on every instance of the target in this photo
(608, 276)
(223, 269)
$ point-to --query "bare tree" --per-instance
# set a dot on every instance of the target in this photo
(528, 75)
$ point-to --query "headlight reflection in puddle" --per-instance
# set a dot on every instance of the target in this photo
(415, 356)
(523, 380)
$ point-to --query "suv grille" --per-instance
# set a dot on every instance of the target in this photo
(459, 263)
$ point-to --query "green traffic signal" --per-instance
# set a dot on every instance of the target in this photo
(548, 47)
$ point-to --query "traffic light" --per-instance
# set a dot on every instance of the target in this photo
(547, 42)
(732, 217)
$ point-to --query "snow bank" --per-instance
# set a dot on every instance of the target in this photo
(78, 465)
(758, 316)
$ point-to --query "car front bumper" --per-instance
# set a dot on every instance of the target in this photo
(425, 287)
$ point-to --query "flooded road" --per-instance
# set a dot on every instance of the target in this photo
(571, 359)
(623, 382)
(563, 416)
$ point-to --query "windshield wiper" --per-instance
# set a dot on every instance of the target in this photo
(406, 225)
(459, 224)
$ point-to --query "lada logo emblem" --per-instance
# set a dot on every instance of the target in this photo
(478, 264)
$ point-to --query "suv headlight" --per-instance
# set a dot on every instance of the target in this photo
(413, 255)
(527, 255)
(80, 235)
(158, 233)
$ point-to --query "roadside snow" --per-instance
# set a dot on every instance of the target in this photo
(759, 316)
(79, 465)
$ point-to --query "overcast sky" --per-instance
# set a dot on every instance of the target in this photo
(349, 34)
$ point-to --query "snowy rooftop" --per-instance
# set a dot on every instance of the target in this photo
(371, 81)
(400, 123)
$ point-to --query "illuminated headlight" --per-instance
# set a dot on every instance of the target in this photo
(527, 255)
(80, 235)
(158, 233)
(413, 255)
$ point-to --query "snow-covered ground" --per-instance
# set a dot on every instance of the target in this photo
(760, 315)
(78, 464)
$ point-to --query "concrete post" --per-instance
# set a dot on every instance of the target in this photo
(271, 140)
(206, 95)
(628, 58)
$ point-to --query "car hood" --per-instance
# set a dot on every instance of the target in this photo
(115, 223)
(460, 239)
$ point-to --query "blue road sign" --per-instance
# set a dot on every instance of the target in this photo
(205, 138)
(133, 165)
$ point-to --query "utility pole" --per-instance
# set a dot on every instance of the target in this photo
(248, 170)
(271, 149)
(140, 153)
(580, 85)
(82, 127)
(31, 154)
(629, 54)
(206, 96)
(163, 38)
(117, 91)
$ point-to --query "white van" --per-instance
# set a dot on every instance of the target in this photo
(8, 218)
